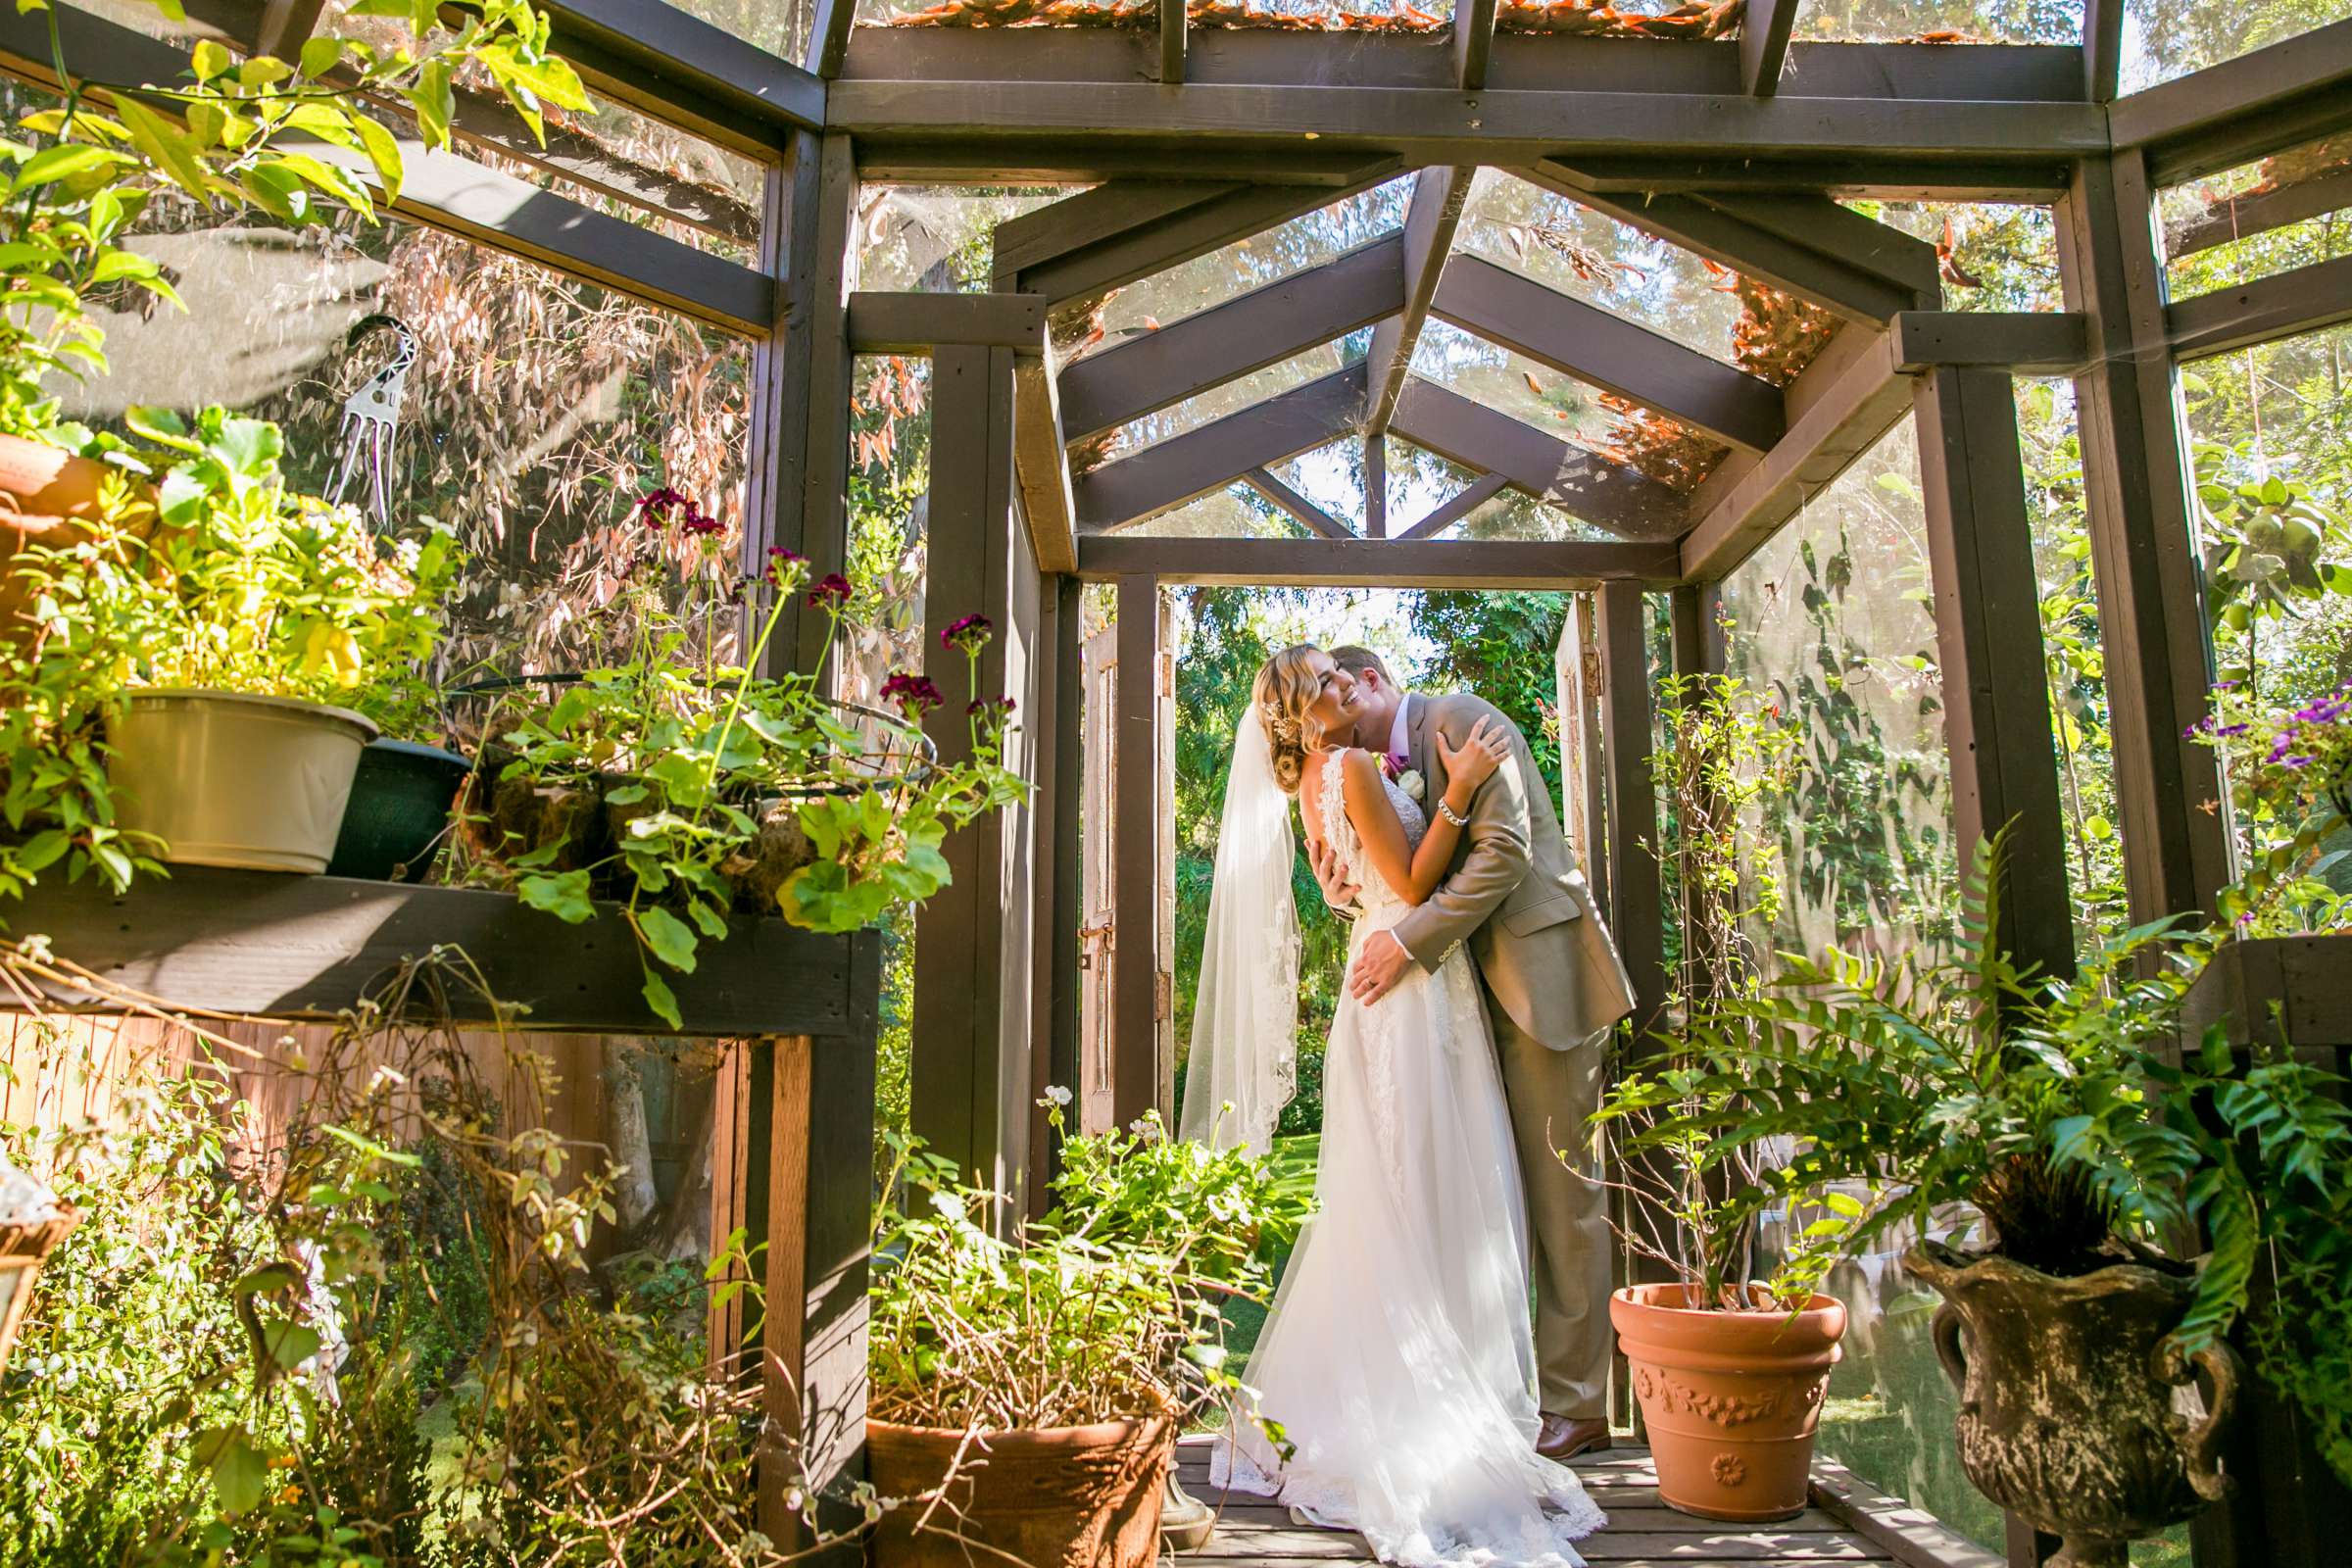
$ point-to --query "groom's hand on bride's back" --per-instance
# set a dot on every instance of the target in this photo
(1338, 892)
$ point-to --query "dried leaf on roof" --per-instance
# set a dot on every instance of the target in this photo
(1582, 17)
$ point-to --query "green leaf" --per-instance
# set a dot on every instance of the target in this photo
(713, 924)
(434, 101)
(321, 55)
(668, 938)
(165, 145)
(664, 1004)
(52, 163)
(290, 1344)
(383, 151)
(210, 57)
(239, 1477)
(564, 894)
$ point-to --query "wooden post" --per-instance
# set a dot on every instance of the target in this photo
(817, 1117)
(1696, 626)
(1996, 704)
(970, 1077)
(1060, 909)
(1636, 905)
(799, 447)
(2136, 490)
(1138, 1072)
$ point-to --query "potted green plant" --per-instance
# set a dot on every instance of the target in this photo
(691, 789)
(229, 659)
(1028, 1382)
(1926, 1083)
(1728, 1361)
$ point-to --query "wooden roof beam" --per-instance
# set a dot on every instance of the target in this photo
(1855, 398)
(1314, 519)
(1430, 221)
(2241, 108)
(1110, 236)
(2262, 312)
(1163, 477)
(1376, 563)
(1455, 507)
(1041, 464)
(2102, 49)
(1154, 371)
(1584, 484)
(1608, 351)
(829, 36)
(1764, 26)
(1174, 24)
(1473, 42)
(1807, 246)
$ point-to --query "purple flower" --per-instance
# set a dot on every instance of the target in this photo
(990, 704)
(834, 590)
(655, 507)
(915, 694)
(968, 634)
(781, 564)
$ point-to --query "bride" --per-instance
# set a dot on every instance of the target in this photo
(1399, 1360)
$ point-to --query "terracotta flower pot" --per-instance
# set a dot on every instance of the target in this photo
(1729, 1398)
(1060, 1497)
(47, 498)
(2066, 1397)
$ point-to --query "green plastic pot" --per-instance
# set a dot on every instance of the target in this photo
(399, 809)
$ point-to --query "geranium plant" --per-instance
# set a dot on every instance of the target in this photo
(689, 788)
(222, 578)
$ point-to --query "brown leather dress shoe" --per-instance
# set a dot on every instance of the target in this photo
(1562, 1439)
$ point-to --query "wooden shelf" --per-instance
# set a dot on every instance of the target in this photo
(307, 947)
(2296, 991)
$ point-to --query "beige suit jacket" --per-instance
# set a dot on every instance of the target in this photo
(1514, 892)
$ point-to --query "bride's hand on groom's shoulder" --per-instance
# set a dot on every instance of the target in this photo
(1471, 764)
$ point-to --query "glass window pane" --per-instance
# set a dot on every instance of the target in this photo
(779, 26)
(2285, 212)
(2270, 430)
(1234, 512)
(1236, 395)
(1332, 477)
(1997, 256)
(1580, 253)
(1941, 21)
(1305, 242)
(937, 240)
(2168, 38)
(537, 409)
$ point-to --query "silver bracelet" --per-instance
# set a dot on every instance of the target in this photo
(1450, 814)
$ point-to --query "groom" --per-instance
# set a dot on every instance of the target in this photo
(1554, 986)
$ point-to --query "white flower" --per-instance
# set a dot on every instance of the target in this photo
(1413, 785)
(1057, 1094)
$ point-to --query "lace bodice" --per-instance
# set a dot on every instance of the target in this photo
(1376, 895)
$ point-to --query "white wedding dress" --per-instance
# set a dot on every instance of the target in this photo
(1399, 1357)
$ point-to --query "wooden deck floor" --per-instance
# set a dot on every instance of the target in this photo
(1641, 1532)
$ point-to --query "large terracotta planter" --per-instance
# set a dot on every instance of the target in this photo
(2066, 1387)
(1060, 1497)
(1729, 1398)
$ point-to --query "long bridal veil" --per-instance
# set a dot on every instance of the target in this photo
(1245, 1049)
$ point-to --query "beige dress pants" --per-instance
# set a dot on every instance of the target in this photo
(1550, 1094)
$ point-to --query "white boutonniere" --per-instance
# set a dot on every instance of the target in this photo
(1411, 783)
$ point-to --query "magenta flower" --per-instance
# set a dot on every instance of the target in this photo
(990, 704)
(915, 695)
(780, 565)
(834, 590)
(655, 507)
(968, 634)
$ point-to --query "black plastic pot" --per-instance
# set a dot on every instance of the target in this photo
(400, 801)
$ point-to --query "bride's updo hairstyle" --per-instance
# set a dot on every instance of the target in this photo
(1287, 687)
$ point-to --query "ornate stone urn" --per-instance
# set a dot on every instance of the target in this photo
(2067, 1386)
